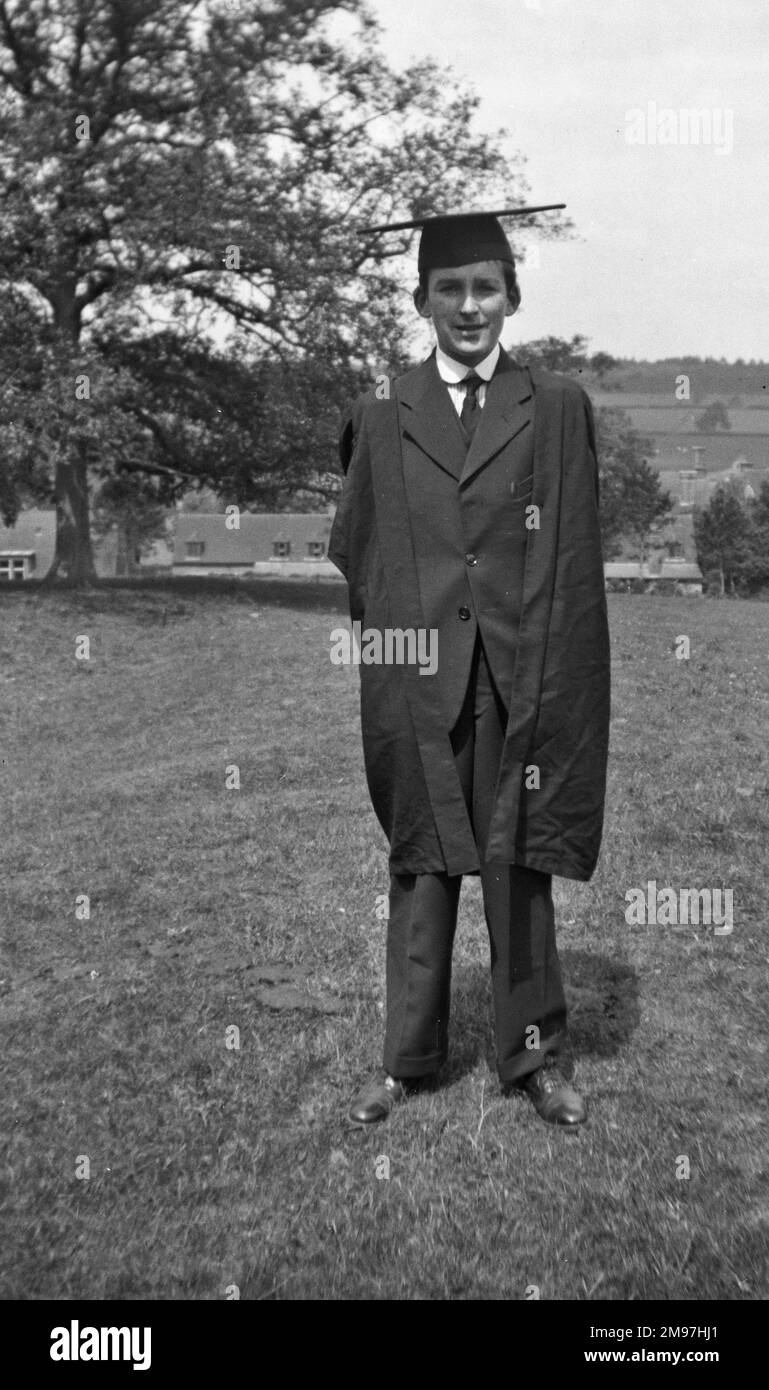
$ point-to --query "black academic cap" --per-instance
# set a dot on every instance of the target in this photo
(462, 238)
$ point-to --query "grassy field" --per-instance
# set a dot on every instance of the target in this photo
(213, 1167)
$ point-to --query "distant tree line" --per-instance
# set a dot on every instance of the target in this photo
(708, 376)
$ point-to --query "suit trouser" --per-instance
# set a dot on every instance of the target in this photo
(529, 1003)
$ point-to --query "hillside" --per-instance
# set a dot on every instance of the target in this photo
(709, 378)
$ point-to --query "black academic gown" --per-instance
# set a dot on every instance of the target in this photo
(524, 501)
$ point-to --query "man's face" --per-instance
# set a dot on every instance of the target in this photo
(468, 306)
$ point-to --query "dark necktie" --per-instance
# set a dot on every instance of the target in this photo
(471, 410)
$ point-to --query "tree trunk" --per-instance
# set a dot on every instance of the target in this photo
(74, 549)
(132, 563)
(122, 569)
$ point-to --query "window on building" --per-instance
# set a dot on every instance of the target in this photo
(281, 549)
(316, 550)
(11, 567)
(195, 549)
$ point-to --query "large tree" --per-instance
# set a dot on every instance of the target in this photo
(181, 187)
(568, 355)
(126, 504)
(756, 575)
(732, 538)
(713, 418)
(632, 499)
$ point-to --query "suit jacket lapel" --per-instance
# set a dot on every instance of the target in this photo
(509, 406)
(429, 418)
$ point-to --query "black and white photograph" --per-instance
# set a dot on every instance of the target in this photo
(384, 666)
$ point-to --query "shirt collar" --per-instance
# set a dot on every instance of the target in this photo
(452, 371)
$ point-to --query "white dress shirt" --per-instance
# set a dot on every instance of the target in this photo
(454, 373)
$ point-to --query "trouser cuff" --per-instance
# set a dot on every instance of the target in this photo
(413, 1066)
(529, 1060)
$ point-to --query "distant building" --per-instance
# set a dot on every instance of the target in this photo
(291, 544)
(694, 487)
(683, 575)
(282, 543)
(672, 576)
(27, 549)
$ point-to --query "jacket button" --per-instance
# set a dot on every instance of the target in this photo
(464, 613)
(471, 559)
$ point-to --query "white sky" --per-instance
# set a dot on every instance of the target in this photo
(671, 252)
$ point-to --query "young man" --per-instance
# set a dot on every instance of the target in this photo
(470, 508)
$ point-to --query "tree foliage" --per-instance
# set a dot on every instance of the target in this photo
(732, 539)
(555, 354)
(632, 499)
(127, 504)
(714, 417)
(601, 363)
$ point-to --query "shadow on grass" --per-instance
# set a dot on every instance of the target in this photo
(603, 1011)
(324, 595)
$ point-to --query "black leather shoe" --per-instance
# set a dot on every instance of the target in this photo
(553, 1098)
(376, 1099)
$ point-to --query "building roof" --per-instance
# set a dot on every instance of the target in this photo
(671, 569)
(625, 569)
(253, 540)
(35, 530)
(680, 569)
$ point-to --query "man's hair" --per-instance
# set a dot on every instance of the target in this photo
(511, 281)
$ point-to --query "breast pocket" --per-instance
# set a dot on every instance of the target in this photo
(520, 490)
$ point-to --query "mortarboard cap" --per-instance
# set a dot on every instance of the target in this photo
(462, 238)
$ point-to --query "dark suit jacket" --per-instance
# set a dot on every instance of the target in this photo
(468, 511)
(415, 504)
